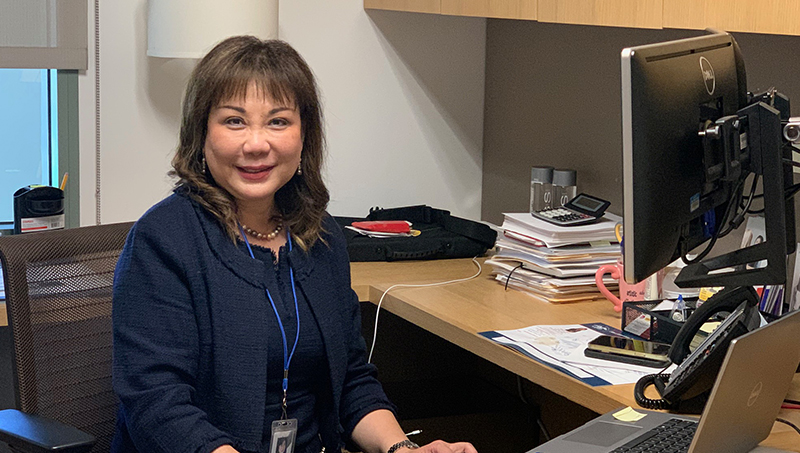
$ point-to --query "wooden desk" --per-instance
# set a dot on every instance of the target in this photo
(457, 312)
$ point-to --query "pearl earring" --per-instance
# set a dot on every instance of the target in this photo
(299, 169)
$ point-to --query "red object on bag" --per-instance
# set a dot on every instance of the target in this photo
(384, 226)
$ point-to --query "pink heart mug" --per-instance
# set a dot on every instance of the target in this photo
(647, 289)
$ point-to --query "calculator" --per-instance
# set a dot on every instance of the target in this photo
(580, 210)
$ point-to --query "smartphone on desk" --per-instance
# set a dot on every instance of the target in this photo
(628, 350)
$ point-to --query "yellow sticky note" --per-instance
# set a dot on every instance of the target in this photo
(709, 326)
(706, 293)
(629, 415)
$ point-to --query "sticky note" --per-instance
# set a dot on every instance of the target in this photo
(639, 326)
(709, 326)
(629, 415)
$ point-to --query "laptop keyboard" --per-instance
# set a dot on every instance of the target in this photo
(673, 436)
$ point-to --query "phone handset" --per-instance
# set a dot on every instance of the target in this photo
(688, 387)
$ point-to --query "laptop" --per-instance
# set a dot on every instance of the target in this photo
(747, 395)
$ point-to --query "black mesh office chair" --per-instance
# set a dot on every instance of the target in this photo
(58, 299)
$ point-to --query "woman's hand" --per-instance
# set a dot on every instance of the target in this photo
(379, 430)
(440, 446)
(225, 449)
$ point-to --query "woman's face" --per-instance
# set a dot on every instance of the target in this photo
(253, 147)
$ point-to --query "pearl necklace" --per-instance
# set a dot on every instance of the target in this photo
(268, 236)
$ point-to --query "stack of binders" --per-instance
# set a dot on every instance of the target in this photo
(555, 263)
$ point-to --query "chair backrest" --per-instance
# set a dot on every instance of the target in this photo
(58, 298)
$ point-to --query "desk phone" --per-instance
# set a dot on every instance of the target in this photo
(580, 210)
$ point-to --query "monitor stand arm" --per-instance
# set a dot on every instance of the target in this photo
(722, 151)
(762, 124)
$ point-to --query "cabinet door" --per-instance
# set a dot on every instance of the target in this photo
(618, 13)
(758, 16)
(414, 6)
(503, 9)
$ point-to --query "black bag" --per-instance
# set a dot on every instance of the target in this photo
(441, 236)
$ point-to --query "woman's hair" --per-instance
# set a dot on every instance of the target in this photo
(282, 441)
(277, 71)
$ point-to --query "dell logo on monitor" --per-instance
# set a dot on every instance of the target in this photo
(708, 75)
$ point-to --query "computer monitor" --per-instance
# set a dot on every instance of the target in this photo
(669, 90)
(691, 135)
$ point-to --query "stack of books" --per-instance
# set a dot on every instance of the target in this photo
(555, 263)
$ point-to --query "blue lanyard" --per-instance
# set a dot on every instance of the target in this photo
(287, 357)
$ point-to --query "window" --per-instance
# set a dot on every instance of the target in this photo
(28, 133)
(43, 45)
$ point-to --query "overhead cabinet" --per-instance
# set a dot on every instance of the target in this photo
(780, 17)
(752, 16)
(499, 9)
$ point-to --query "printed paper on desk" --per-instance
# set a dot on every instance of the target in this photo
(567, 253)
(529, 222)
(562, 342)
(551, 295)
(525, 225)
(524, 238)
(664, 305)
(504, 268)
(533, 352)
(561, 268)
(544, 287)
(562, 346)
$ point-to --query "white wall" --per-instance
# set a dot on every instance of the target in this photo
(403, 98)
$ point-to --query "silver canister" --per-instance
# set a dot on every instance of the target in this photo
(564, 186)
(541, 188)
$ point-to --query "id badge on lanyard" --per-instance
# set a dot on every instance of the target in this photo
(282, 436)
(283, 431)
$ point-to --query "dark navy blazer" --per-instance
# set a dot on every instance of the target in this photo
(190, 358)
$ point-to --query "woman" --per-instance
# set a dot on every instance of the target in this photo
(234, 321)
(281, 445)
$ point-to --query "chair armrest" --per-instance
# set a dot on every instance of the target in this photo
(33, 434)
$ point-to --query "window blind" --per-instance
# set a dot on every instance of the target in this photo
(44, 34)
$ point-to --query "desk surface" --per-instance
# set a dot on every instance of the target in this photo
(457, 312)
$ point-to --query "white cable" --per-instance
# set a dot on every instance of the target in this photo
(423, 285)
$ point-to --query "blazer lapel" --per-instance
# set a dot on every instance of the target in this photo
(317, 285)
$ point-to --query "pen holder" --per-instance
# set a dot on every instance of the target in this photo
(38, 208)
(639, 319)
